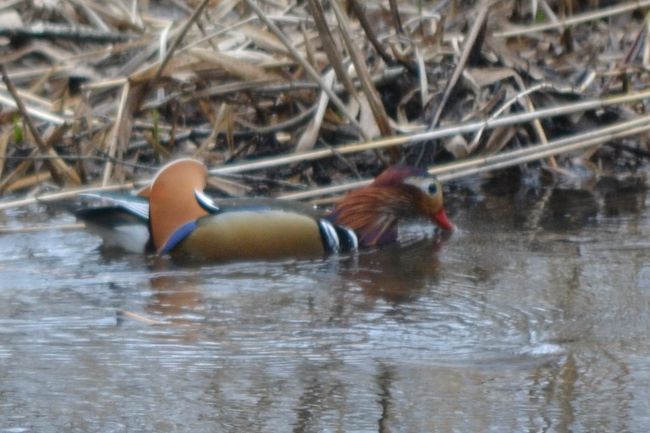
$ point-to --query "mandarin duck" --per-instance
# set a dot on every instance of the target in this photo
(173, 216)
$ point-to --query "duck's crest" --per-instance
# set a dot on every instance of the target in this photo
(396, 175)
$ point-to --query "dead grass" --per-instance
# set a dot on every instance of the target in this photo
(278, 96)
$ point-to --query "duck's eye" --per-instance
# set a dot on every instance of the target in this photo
(433, 189)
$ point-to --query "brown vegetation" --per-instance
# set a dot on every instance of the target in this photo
(277, 96)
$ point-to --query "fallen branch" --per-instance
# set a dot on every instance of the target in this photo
(64, 33)
(576, 19)
(61, 195)
(474, 166)
(392, 141)
(41, 228)
(37, 113)
(408, 140)
(58, 167)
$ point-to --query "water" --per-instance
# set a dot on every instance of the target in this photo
(532, 317)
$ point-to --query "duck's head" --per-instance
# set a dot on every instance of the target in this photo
(400, 191)
(421, 190)
(172, 199)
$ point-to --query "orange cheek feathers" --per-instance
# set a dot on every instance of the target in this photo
(433, 207)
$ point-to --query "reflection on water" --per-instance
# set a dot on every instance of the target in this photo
(532, 317)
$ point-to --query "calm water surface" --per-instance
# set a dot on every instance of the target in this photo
(533, 317)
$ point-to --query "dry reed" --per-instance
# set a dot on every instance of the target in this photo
(92, 95)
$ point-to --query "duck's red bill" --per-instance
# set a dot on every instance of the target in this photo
(441, 219)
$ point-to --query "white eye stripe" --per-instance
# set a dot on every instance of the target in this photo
(426, 184)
